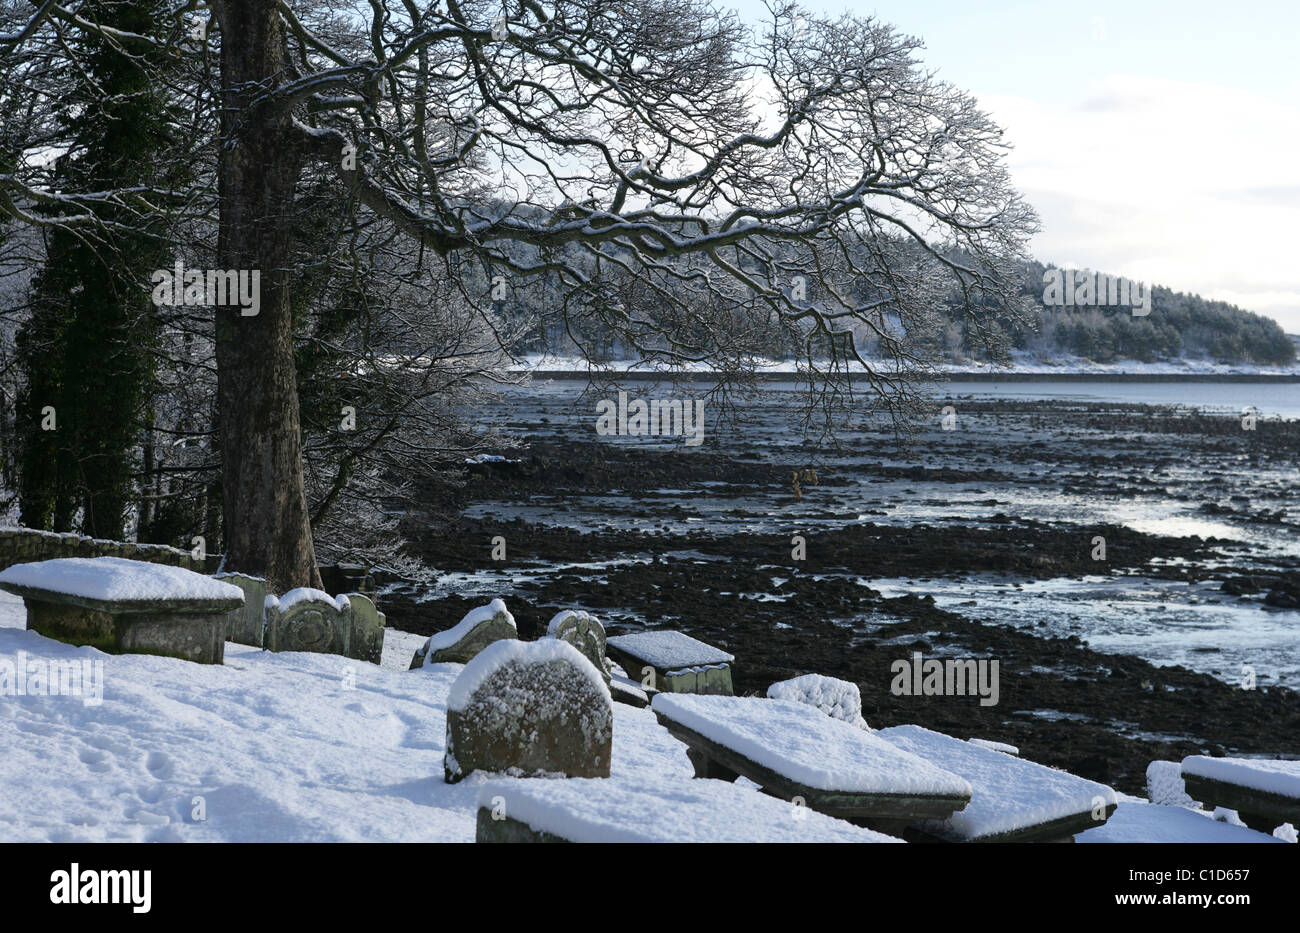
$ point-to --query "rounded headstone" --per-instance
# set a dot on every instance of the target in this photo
(529, 709)
(459, 644)
(585, 632)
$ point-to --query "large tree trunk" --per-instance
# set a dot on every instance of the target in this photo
(267, 531)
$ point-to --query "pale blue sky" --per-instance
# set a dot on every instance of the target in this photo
(1158, 140)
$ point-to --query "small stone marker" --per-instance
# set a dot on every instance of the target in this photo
(1165, 785)
(678, 663)
(480, 628)
(126, 606)
(244, 625)
(839, 699)
(367, 643)
(306, 619)
(584, 631)
(529, 709)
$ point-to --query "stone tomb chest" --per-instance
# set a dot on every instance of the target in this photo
(126, 606)
(673, 662)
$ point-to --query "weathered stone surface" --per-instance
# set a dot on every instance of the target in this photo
(491, 829)
(673, 662)
(125, 606)
(29, 545)
(244, 625)
(308, 620)
(460, 643)
(529, 709)
(312, 620)
(367, 642)
(198, 637)
(713, 679)
(585, 632)
(626, 690)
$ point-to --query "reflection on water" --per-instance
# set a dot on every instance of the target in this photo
(1271, 399)
(1166, 622)
(1057, 464)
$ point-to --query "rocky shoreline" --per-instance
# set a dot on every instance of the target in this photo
(1102, 716)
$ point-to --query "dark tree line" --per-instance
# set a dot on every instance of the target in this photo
(1179, 325)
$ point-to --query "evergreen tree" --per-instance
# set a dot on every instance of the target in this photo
(86, 350)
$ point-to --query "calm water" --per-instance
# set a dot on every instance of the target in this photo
(1271, 399)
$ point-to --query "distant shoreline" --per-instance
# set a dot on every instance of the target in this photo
(1011, 376)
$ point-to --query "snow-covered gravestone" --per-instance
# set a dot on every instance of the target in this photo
(307, 619)
(244, 625)
(126, 606)
(367, 641)
(837, 698)
(650, 808)
(1165, 785)
(673, 662)
(584, 631)
(1012, 800)
(793, 750)
(529, 709)
(460, 643)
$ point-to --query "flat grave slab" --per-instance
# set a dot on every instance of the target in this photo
(626, 690)
(635, 810)
(1264, 792)
(1012, 800)
(681, 664)
(792, 750)
(126, 606)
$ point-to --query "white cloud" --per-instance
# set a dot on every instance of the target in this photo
(1190, 185)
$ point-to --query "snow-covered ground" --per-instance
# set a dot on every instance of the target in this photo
(297, 747)
(1138, 820)
(267, 747)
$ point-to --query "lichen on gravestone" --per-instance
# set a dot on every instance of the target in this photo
(585, 632)
(459, 644)
(529, 709)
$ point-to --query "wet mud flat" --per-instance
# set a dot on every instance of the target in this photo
(705, 541)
